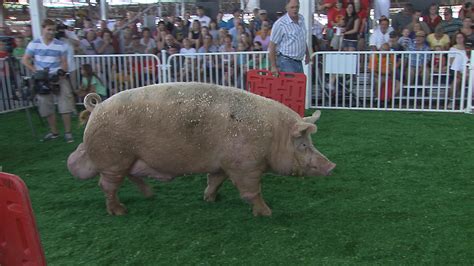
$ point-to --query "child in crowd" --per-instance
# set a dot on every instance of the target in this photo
(190, 62)
(187, 47)
(19, 49)
(90, 82)
(439, 60)
(405, 39)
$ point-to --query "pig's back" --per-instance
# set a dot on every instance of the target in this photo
(167, 124)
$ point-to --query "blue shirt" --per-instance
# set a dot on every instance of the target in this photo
(47, 56)
(419, 58)
(290, 37)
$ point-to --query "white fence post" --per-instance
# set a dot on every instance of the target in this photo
(470, 84)
(164, 66)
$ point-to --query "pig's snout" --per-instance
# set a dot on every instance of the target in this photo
(329, 168)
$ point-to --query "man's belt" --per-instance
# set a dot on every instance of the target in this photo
(282, 55)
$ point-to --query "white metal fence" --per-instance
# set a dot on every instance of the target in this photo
(227, 69)
(11, 95)
(410, 81)
(123, 72)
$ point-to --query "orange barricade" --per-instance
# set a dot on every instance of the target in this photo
(19, 239)
(288, 88)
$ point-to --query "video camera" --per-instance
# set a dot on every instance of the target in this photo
(60, 30)
(46, 83)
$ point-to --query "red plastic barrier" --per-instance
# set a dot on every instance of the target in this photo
(19, 239)
(288, 88)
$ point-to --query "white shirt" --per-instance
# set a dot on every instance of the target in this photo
(188, 51)
(289, 37)
(378, 38)
(205, 20)
(150, 45)
(460, 61)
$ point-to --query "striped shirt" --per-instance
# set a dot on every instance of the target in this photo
(451, 27)
(289, 37)
(47, 56)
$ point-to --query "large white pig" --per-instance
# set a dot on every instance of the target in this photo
(172, 129)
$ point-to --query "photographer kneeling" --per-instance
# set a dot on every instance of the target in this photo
(49, 54)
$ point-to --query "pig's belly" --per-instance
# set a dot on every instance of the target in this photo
(141, 169)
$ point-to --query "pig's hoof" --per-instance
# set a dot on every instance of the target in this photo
(147, 192)
(262, 211)
(210, 197)
(117, 209)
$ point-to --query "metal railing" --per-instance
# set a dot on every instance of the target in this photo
(11, 95)
(409, 81)
(124, 71)
(228, 69)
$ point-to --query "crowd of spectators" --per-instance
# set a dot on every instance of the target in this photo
(171, 34)
(408, 30)
(347, 29)
(349, 25)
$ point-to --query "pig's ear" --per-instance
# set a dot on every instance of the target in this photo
(303, 128)
(313, 118)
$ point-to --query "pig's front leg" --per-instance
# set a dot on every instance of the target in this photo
(214, 182)
(249, 187)
(110, 185)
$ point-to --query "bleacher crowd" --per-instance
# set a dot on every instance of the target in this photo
(348, 28)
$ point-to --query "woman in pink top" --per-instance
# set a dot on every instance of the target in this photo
(264, 36)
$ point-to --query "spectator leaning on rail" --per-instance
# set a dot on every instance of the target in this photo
(48, 52)
(288, 46)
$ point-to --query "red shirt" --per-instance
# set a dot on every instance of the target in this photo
(335, 15)
(332, 3)
(3, 54)
(432, 23)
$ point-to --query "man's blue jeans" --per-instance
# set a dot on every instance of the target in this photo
(286, 64)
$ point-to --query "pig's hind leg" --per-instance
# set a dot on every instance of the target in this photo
(110, 184)
(249, 187)
(146, 190)
(214, 182)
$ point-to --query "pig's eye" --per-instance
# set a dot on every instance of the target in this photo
(302, 147)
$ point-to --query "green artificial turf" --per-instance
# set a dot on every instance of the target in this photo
(402, 193)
